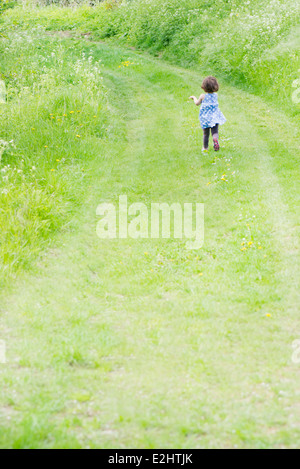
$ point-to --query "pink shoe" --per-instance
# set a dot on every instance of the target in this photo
(216, 144)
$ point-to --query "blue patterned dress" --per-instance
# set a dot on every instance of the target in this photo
(210, 114)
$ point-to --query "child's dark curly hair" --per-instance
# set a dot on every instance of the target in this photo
(210, 85)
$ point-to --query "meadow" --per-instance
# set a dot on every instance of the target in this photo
(143, 343)
(251, 43)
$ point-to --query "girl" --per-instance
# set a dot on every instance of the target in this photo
(210, 115)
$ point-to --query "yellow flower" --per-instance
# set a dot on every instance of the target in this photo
(58, 161)
(250, 243)
(65, 115)
(243, 249)
(208, 183)
(201, 273)
(78, 136)
(46, 146)
(52, 170)
(269, 315)
(259, 247)
(71, 112)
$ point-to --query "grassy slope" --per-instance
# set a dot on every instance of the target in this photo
(56, 116)
(125, 343)
(251, 44)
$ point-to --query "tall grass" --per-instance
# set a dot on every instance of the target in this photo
(52, 120)
(250, 42)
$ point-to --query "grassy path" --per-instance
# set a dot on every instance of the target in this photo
(132, 343)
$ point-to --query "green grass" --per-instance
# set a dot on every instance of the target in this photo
(251, 44)
(142, 343)
(54, 117)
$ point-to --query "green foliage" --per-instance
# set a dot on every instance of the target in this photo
(6, 4)
(254, 43)
(55, 100)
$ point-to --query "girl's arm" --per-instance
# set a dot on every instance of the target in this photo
(198, 101)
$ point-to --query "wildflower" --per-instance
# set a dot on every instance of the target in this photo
(268, 315)
(259, 247)
(46, 146)
(78, 136)
(58, 161)
(71, 112)
(200, 274)
(208, 183)
(250, 243)
(52, 170)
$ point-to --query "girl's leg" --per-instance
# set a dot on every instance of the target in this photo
(205, 138)
(215, 136)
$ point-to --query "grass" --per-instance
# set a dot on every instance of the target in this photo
(51, 124)
(142, 343)
(254, 45)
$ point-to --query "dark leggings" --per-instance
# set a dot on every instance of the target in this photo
(214, 132)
